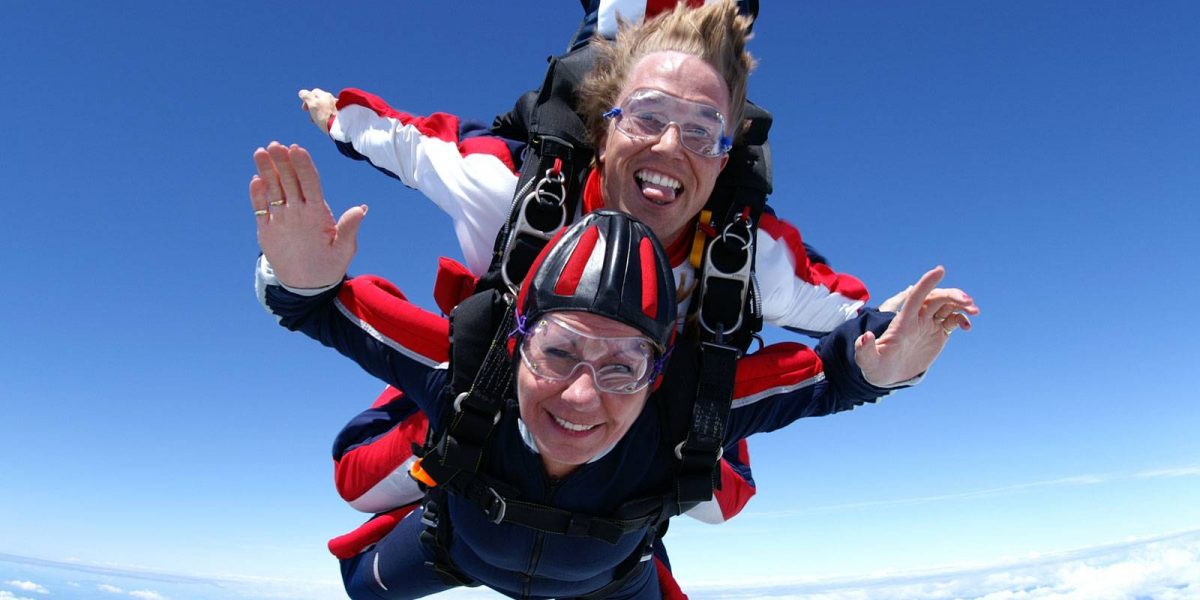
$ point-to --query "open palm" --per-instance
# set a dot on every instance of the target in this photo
(917, 335)
(296, 230)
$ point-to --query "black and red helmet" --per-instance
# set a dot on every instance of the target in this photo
(607, 264)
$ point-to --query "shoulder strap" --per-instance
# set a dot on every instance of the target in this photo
(552, 171)
(728, 312)
(481, 384)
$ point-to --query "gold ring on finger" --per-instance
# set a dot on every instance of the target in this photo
(262, 212)
(277, 203)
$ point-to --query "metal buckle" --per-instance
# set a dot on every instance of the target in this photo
(458, 401)
(463, 396)
(741, 275)
(496, 515)
(428, 521)
(545, 198)
(679, 451)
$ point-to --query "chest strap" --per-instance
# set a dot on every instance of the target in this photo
(500, 508)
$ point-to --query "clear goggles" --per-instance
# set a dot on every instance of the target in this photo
(646, 114)
(620, 365)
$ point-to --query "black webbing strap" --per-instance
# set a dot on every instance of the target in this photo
(536, 214)
(436, 536)
(699, 453)
(728, 310)
(475, 411)
(558, 143)
(548, 519)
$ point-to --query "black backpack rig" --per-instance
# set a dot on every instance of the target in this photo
(696, 404)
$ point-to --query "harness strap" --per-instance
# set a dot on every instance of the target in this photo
(438, 534)
(701, 450)
(558, 144)
(475, 411)
(729, 312)
(537, 215)
(548, 519)
(436, 537)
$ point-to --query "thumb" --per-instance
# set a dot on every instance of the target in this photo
(866, 353)
(348, 224)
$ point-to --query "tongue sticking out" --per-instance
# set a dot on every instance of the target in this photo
(656, 192)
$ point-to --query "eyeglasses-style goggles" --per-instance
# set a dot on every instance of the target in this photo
(620, 365)
(646, 114)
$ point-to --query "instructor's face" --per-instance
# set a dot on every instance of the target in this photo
(572, 421)
(657, 180)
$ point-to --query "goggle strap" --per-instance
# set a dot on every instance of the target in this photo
(519, 325)
(660, 363)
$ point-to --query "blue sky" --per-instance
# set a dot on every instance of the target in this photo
(155, 420)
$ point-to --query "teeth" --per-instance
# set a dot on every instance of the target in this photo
(658, 179)
(572, 426)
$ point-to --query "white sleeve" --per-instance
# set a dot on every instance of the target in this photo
(797, 292)
(474, 188)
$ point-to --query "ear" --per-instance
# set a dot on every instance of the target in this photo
(724, 160)
(602, 148)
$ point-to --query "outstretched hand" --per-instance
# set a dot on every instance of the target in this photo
(927, 316)
(296, 230)
(320, 105)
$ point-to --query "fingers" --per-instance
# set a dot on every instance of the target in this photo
(266, 171)
(258, 200)
(320, 106)
(956, 321)
(306, 174)
(894, 303)
(281, 156)
(948, 309)
(916, 297)
(941, 303)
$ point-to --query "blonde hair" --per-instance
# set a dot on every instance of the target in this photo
(714, 33)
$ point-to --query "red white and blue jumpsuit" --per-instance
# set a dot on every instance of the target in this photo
(368, 320)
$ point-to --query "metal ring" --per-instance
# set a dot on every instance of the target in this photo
(262, 212)
(276, 203)
(679, 451)
(743, 238)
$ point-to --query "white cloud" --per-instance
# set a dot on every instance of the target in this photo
(1164, 568)
(27, 586)
(1007, 490)
(7, 595)
(112, 589)
(1169, 473)
(147, 595)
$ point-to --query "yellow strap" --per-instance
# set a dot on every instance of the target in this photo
(698, 239)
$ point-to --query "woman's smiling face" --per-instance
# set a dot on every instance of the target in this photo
(571, 420)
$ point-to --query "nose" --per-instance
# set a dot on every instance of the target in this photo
(671, 139)
(581, 392)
